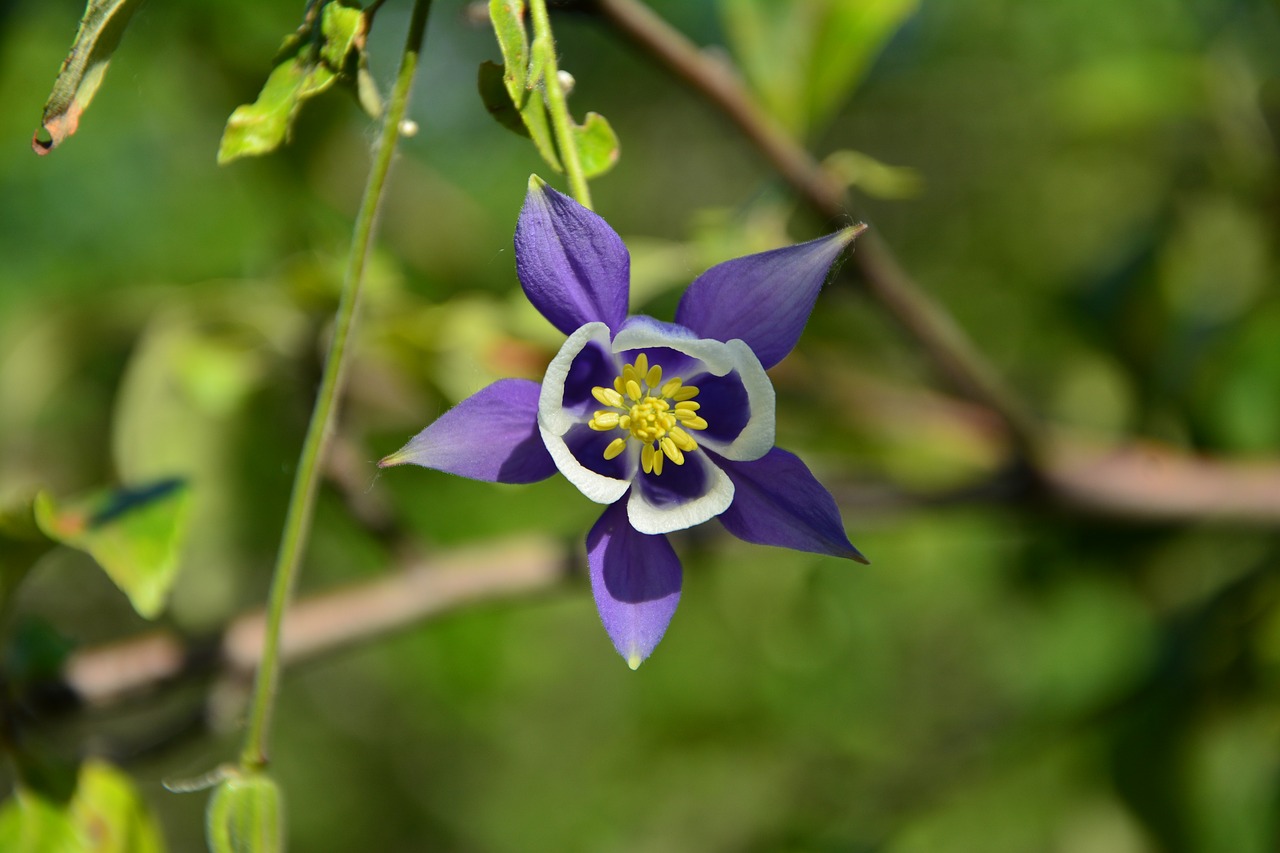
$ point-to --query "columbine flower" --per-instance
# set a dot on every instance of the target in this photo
(668, 425)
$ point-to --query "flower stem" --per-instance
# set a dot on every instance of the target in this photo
(319, 430)
(557, 103)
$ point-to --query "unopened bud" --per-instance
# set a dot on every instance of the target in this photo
(245, 815)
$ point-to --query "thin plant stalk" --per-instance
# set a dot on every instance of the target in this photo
(319, 431)
(558, 104)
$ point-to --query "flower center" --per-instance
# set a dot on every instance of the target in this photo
(653, 412)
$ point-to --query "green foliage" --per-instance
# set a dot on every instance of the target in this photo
(105, 815)
(99, 35)
(329, 47)
(1095, 205)
(246, 815)
(134, 534)
(513, 95)
(803, 59)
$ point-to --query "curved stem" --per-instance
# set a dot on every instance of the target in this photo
(544, 47)
(319, 430)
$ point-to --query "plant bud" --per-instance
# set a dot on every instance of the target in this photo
(245, 815)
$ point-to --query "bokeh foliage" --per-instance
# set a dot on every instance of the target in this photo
(1093, 196)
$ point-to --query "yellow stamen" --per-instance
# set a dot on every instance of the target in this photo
(605, 421)
(607, 397)
(672, 452)
(650, 411)
(683, 440)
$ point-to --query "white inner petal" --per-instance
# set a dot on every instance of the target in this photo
(554, 421)
(650, 518)
(712, 353)
(758, 436)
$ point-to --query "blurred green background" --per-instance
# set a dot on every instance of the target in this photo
(1089, 187)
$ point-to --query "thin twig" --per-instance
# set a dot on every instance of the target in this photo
(951, 350)
(544, 50)
(302, 500)
(339, 619)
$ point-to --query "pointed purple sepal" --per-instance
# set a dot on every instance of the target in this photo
(763, 299)
(573, 267)
(777, 501)
(492, 435)
(636, 581)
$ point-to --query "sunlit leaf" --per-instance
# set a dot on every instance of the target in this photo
(105, 815)
(245, 815)
(133, 533)
(597, 145)
(329, 47)
(101, 28)
(803, 59)
(513, 95)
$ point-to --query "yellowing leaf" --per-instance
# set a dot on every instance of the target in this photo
(99, 34)
(132, 533)
(105, 815)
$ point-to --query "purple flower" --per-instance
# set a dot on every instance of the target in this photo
(668, 425)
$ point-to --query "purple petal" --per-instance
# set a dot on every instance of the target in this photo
(763, 299)
(636, 581)
(572, 265)
(492, 435)
(777, 501)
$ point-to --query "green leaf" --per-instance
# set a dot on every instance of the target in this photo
(803, 59)
(597, 145)
(133, 533)
(245, 815)
(512, 93)
(328, 48)
(105, 815)
(97, 38)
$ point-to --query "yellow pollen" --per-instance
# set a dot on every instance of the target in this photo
(651, 411)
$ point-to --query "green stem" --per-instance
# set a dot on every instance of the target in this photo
(544, 47)
(319, 431)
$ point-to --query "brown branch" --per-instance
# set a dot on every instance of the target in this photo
(324, 623)
(931, 325)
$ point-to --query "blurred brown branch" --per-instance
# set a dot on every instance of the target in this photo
(1136, 480)
(929, 323)
(321, 624)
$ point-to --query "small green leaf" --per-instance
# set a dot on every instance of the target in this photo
(512, 93)
(97, 38)
(493, 91)
(507, 17)
(245, 815)
(105, 815)
(328, 48)
(597, 145)
(134, 535)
